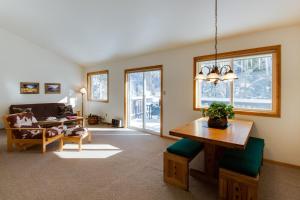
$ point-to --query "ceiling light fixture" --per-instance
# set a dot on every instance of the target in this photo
(216, 73)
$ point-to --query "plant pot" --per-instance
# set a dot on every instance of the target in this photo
(220, 123)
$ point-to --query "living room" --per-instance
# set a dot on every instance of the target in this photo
(145, 64)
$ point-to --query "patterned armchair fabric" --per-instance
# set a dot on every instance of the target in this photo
(27, 120)
(76, 131)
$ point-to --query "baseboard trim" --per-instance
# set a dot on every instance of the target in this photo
(282, 163)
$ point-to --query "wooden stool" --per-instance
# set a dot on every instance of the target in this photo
(176, 170)
(239, 171)
(78, 139)
(236, 186)
(176, 162)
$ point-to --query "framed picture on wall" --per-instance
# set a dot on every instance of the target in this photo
(52, 88)
(29, 88)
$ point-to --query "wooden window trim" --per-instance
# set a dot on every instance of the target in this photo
(89, 85)
(144, 69)
(276, 82)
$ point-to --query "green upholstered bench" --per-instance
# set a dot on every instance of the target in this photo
(177, 159)
(186, 148)
(239, 171)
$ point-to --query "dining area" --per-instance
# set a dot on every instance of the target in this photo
(232, 158)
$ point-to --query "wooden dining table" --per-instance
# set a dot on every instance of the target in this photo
(235, 136)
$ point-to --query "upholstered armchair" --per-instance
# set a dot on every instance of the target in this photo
(23, 131)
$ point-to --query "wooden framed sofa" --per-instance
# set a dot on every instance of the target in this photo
(23, 131)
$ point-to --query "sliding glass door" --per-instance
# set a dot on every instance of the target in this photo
(135, 100)
(143, 99)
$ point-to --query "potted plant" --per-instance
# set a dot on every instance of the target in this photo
(218, 114)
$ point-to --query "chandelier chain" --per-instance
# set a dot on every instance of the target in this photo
(216, 73)
(216, 32)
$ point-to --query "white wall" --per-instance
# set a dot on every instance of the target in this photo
(282, 135)
(22, 61)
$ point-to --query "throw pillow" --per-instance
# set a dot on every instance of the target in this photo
(21, 110)
(64, 111)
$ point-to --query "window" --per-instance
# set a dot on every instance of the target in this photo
(98, 86)
(257, 89)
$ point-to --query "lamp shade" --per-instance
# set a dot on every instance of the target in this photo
(201, 76)
(213, 76)
(230, 76)
(83, 91)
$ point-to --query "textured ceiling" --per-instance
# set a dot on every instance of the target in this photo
(96, 31)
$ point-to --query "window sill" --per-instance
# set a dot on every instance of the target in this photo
(102, 101)
(251, 112)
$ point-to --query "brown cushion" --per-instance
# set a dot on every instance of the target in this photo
(20, 110)
(41, 111)
(63, 110)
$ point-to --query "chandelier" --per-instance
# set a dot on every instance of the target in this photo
(216, 73)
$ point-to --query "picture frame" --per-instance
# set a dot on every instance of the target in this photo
(52, 88)
(29, 88)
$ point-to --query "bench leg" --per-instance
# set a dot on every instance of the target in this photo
(9, 142)
(61, 144)
(44, 148)
(89, 137)
(80, 144)
(235, 186)
(176, 170)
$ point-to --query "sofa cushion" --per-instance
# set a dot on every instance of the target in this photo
(20, 110)
(185, 147)
(246, 161)
(22, 120)
(41, 110)
(55, 130)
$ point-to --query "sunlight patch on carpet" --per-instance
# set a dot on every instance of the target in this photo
(91, 147)
(88, 151)
(112, 129)
(117, 131)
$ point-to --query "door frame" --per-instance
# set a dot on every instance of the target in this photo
(144, 69)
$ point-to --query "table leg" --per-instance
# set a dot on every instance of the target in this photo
(210, 160)
(212, 154)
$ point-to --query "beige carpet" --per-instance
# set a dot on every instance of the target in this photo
(122, 165)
